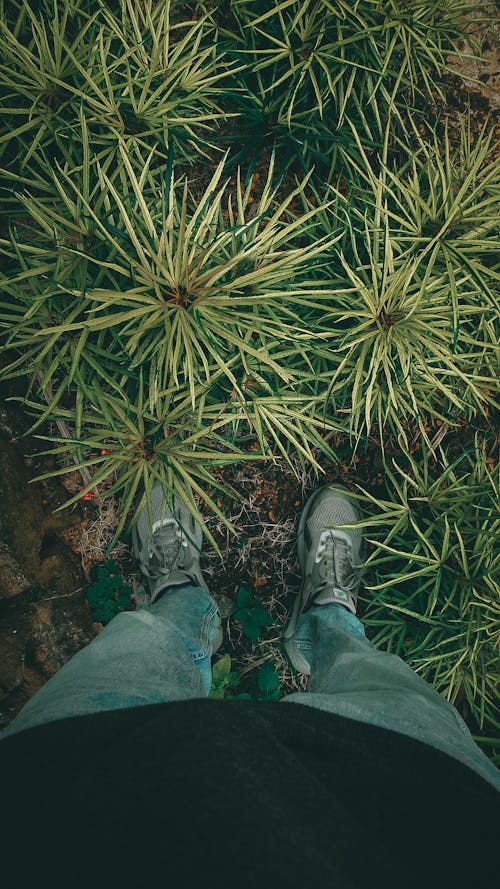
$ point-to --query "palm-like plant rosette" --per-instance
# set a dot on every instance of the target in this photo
(141, 72)
(186, 286)
(432, 583)
(329, 55)
(126, 443)
(412, 323)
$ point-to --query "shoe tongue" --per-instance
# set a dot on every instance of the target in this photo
(175, 578)
(330, 594)
(165, 529)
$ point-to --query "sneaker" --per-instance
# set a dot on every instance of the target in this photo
(330, 558)
(167, 544)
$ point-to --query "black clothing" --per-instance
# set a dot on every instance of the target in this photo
(239, 794)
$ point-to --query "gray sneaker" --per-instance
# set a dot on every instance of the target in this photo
(330, 558)
(167, 544)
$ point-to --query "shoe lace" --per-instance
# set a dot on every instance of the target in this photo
(166, 545)
(335, 563)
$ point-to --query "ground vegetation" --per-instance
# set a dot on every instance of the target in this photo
(249, 248)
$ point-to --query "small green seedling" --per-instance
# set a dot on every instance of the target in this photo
(251, 614)
(223, 678)
(265, 686)
(269, 683)
(109, 594)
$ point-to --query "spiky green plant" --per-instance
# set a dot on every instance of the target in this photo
(392, 359)
(412, 325)
(432, 593)
(419, 41)
(125, 275)
(285, 420)
(182, 285)
(261, 125)
(281, 97)
(328, 55)
(312, 52)
(141, 72)
(44, 254)
(39, 69)
(154, 80)
(444, 207)
(128, 442)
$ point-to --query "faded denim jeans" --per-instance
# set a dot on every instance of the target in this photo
(162, 652)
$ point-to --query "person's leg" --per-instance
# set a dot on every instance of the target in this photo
(325, 639)
(156, 654)
(348, 676)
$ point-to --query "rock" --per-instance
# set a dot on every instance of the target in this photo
(13, 580)
(58, 631)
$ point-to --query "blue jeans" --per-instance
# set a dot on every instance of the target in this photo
(162, 652)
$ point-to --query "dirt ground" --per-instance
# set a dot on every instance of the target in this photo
(44, 618)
